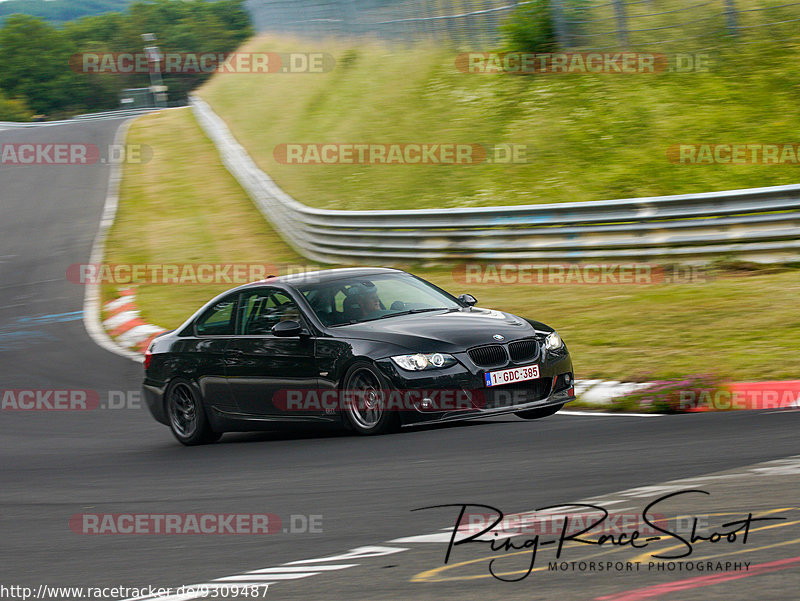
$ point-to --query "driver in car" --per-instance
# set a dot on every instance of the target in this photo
(371, 305)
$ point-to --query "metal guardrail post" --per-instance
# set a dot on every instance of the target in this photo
(731, 16)
(622, 25)
(559, 24)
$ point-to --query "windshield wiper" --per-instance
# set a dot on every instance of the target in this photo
(411, 311)
(408, 312)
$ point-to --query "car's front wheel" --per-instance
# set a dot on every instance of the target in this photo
(539, 413)
(365, 411)
(187, 417)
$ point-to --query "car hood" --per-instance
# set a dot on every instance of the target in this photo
(442, 331)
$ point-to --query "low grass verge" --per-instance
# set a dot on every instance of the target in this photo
(183, 207)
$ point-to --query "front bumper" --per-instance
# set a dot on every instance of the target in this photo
(551, 388)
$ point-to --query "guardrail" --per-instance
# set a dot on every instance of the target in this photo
(118, 114)
(759, 224)
(21, 124)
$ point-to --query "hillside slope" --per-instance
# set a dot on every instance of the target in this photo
(587, 136)
(59, 11)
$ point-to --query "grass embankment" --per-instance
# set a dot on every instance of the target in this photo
(588, 136)
(184, 207)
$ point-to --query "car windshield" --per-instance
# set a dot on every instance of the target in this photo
(358, 299)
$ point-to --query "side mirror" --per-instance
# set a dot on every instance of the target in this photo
(287, 329)
(468, 300)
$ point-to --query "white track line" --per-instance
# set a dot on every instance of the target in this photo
(608, 414)
(91, 300)
(289, 569)
(264, 577)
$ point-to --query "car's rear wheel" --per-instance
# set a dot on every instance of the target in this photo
(187, 416)
(365, 411)
(539, 413)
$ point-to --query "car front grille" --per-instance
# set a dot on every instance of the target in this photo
(490, 355)
(523, 350)
(518, 393)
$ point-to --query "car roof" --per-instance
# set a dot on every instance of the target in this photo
(323, 275)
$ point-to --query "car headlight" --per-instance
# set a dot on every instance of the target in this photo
(420, 361)
(553, 341)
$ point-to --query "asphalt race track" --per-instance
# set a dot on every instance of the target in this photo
(55, 465)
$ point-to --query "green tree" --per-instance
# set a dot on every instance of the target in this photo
(42, 63)
(36, 66)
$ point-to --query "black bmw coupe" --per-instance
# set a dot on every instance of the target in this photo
(372, 349)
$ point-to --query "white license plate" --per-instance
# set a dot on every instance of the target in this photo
(509, 376)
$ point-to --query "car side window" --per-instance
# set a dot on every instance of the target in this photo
(218, 320)
(264, 308)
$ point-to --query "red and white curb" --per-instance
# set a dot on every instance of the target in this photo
(124, 325)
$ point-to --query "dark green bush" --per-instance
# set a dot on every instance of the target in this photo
(531, 28)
